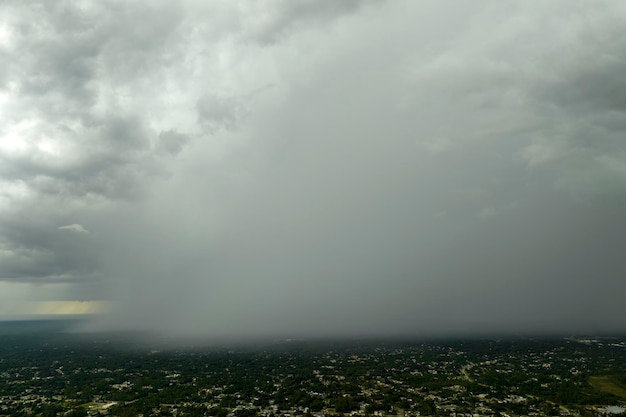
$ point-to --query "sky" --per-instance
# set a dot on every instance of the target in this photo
(307, 168)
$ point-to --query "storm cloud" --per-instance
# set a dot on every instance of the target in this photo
(306, 168)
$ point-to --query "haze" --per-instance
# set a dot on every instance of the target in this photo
(312, 168)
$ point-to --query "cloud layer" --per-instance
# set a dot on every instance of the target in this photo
(306, 168)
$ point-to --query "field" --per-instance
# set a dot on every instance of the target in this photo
(609, 385)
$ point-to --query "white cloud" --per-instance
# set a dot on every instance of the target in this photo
(74, 228)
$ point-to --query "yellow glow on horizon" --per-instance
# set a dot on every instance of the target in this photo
(69, 307)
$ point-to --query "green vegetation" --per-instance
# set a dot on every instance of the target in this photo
(609, 384)
(57, 376)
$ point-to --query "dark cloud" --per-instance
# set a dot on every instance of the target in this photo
(414, 167)
(172, 142)
(33, 251)
(71, 142)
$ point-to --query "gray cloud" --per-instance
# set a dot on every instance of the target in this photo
(171, 142)
(415, 167)
(217, 112)
(30, 253)
(286, 17)
(71, 144)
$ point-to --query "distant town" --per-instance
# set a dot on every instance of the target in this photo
(53, 374)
